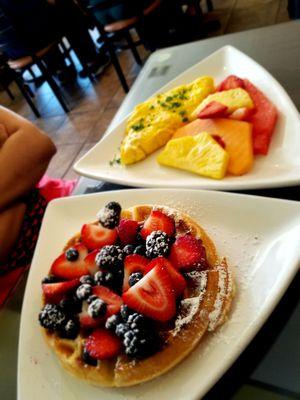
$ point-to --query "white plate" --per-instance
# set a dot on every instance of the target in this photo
(281, 167)
(260, 238)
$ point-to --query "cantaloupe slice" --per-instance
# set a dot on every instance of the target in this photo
(237, 136)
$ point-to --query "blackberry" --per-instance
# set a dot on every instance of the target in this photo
(121, 329)
(72, 254)
(97, 308)
(139, 322)
(104, 278)
(84, 291)
(125, 312)
(141, 250)
(70, 329)
(109, 216)
(50, 279)
(112, 322)
(128, 249)
(71, 305)
(87, 279)
(110, 256)
(140, 346)
(52, 317)
(88, 359)
(157, 244)
(134, 278)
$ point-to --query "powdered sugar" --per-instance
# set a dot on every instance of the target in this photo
(219, 302)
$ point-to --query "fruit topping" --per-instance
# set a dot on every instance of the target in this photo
(121, 329)
(110, 257)
(95, 236)
(112, 322)
(153, 295)
(54, 292)
(97, 308)
(102, 344)
(84, 291)
(178, 281)
(231, 82)
(109, 215)
(128, 230)
(72, 254)
(50, 279)
(157, 244)
(64, 269)
(70, 329)
(87, 279)
(71, 305)
(213, 109)
(133, 263)
(141, 250)
(134, 278)
(158, 221)
(112, 300)
(129, 249)
(85, 319)
(52, 317)
(105, 278)
(187, 252)
(88, 359)
(90, 262)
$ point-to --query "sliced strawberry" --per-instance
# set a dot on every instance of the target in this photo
(231, 82)
(133, 263)
(54, 292)
(219, 140)
(112, 300)
(214, 109)
(187, 252)
(158, 221)
(86, 321)
(128, 230)
(95, 236)
(178, 281)
(153, 295)
(242, 114)
(102, 344)
(91, 263)
(62, 268)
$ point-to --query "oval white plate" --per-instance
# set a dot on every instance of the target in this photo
(260, 238)
(281, 167)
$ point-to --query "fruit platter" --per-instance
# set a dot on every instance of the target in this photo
(231, 129)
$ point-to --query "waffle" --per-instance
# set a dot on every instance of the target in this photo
(205, 306)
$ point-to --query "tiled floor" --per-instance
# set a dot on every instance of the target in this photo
(94, 105)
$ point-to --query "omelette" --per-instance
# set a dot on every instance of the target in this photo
(152, 123)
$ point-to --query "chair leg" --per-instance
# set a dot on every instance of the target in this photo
(133, 48)
(31, 72)
(67, 53)
(29, 91)
(52, 84)
(9, 92)
(24, 92)
(116, 64)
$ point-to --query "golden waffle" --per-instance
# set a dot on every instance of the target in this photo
(205, 306)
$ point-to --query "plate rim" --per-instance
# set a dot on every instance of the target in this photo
(248, 335)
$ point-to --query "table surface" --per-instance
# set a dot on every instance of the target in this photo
(277, 48)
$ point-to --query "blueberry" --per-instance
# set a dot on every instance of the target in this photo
(88, 359)
(141, 250)
(112, 322)
(52, 317)
(110, 256)
(83, 291)
(87, 279)
(91, 298)
(70, 330)
(72, 254)
(134, 278)
(109, 216)
(50, 279)
(104, 278)
(125, 312)
(157, 244)
(121, 329)
(97, 308)
(129, 249)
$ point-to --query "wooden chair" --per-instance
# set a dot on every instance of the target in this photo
(109, 33)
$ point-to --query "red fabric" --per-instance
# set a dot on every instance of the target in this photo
(8, 283)
(53, 188)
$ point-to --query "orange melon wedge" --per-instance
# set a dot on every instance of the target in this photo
(237, 136)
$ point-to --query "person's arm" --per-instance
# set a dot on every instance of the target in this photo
(24, 157)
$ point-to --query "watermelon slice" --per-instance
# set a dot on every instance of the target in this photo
(231, 82)
(263, 120)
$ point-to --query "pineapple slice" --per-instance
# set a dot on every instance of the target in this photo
(200, 154)
(233, 99)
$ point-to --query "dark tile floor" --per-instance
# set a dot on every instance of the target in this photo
(94, 105)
